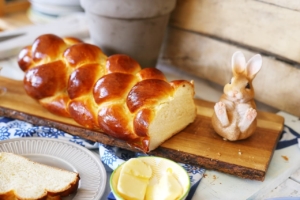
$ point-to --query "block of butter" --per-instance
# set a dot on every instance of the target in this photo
(134, 179)
(168, 188)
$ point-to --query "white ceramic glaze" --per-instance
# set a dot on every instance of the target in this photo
(132, 27)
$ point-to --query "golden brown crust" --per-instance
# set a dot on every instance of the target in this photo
(25, 58)
(82, 80)
(46, 76)
(122, 63)
(151, 73)
(148, 92)
(46, 80)
(113, 86)
(57, 104)
(82, 53)
(113, 119)
(82, 110)
(47, 47)
(142, 120)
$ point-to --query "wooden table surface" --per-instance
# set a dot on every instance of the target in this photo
(214, 184)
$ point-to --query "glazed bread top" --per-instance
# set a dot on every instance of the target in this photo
(111, 94)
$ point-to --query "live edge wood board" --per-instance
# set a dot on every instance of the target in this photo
(197, 144)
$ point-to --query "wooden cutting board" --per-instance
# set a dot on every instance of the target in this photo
(197, 144)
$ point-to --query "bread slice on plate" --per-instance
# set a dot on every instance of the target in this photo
(21, 179)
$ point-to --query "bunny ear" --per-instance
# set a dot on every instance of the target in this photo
(253, 66)
(238, 62)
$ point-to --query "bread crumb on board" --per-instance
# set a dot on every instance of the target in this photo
(285, 158)
(240, 152)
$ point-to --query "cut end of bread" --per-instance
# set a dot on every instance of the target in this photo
(21, 178)
(173, 115)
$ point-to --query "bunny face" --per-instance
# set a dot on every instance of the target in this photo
(240, 88)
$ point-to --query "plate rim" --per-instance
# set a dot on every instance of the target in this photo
(103, 176)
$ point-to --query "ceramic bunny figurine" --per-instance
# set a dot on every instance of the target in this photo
(235, 114)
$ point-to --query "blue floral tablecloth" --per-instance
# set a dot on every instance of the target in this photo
(110, 156)
(113, 156)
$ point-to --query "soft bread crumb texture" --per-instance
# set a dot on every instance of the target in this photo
(31, 180)
(172, 115)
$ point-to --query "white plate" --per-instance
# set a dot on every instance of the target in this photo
(58, 2)
(55, 10)
(65, 155)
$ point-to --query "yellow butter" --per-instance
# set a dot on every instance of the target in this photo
(168, 188)
(133, 180)
(138, 168)
(132, 187)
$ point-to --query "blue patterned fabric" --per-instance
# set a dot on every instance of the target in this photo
(113, 156)
(288, 138)
(12, 128)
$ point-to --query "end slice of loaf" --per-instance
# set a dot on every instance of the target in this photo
(21, 178)
(172, 115)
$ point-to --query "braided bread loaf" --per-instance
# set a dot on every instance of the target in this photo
(111, 94)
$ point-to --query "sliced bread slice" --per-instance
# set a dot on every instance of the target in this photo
(21, 179)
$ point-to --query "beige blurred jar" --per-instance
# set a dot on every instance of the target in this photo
(132, 27)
